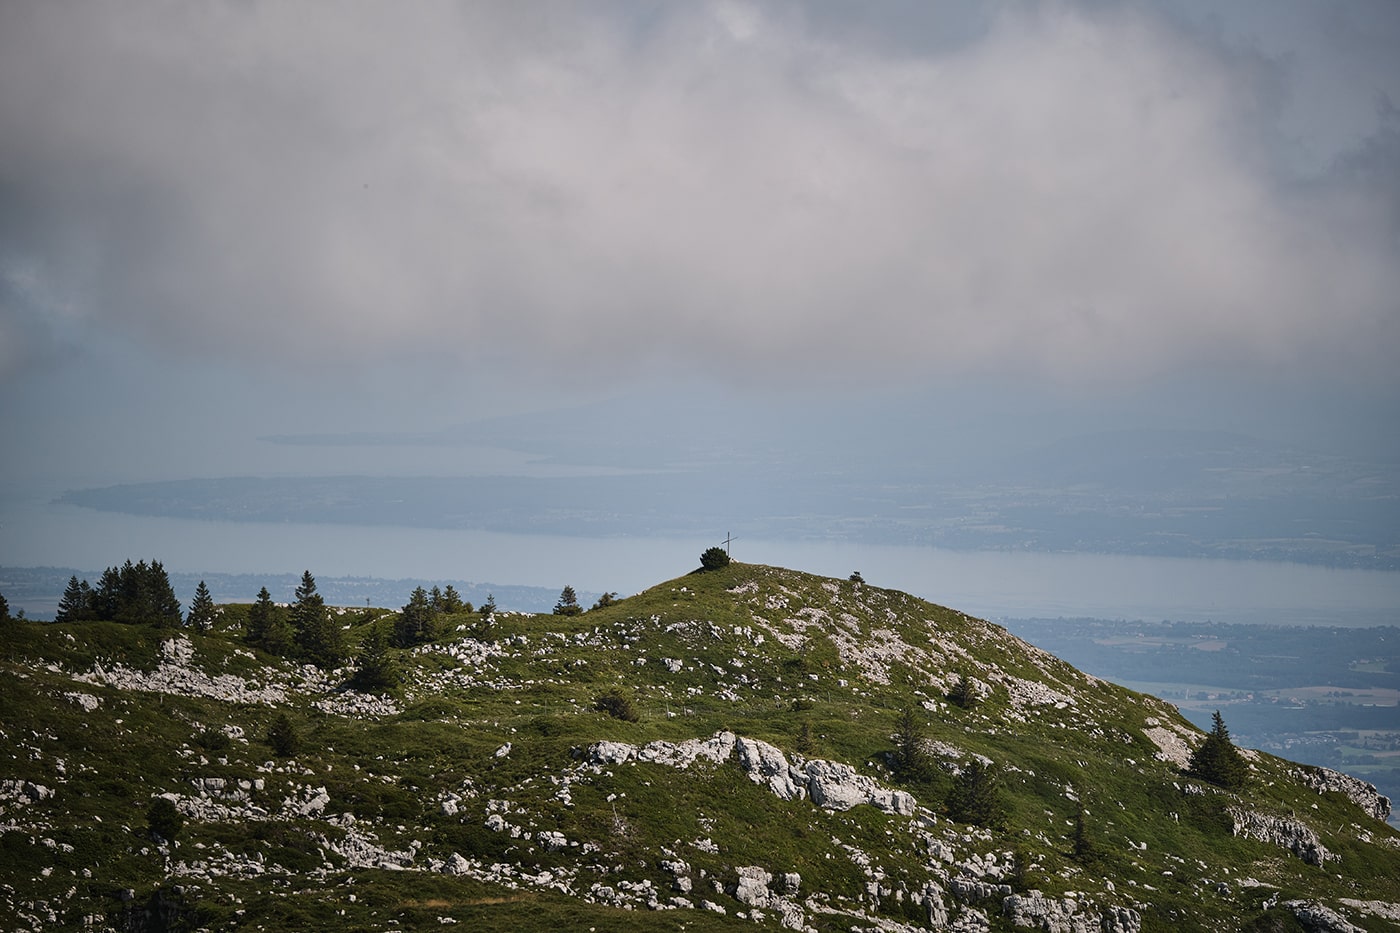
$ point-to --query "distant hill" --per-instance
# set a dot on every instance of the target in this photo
(749, 746)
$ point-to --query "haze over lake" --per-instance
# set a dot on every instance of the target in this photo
(990, 584)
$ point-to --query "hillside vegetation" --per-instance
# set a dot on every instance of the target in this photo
(744, 745)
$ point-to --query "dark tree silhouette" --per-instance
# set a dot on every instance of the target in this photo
(202, 611)
(1217, 760)
(568, 603)
(317, 636)
(714, 558)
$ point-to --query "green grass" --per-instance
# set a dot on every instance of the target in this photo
(1156, 845)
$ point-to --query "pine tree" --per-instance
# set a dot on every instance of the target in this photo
(267, 627)
(282, 736)
(488, 608)
(604, 601)
(963, 692)
(4, 609)
(319, 639)
(73, 607)
(202, 611)
(911, 760)
(107, 596)
(164, 607)
(375, 669)
(414, 625)
(1217, 760)
(452, 601)
(435, 598)
(977, 796)
(568, 603)
(1084, 848)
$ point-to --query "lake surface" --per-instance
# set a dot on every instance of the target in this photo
(34, 532)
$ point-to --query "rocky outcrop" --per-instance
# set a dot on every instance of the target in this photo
(837, 786)
(1318, 918)
(1359, 792)
(1282, 831)
(1063, 915)
(831, 785)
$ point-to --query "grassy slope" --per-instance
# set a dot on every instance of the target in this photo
(534, 688)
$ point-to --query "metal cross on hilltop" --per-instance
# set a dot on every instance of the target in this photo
(727, 539)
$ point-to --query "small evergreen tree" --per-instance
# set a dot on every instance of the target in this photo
(73, 606)
(375, 669)
(568, 603)
(856, 577)
(267, 626)
(4, 609)
(976, 797)
(1217, 760)
(1084, 848)
(164, 607)
(163, 820)
(963, 692)
(202, 610)
(435, 598)
(714, 558)
(282, 736)
(806, 742)
(488, 608)
(317, 636)
(452, 602)
(912, 761)
(414, 625)
(604, 601)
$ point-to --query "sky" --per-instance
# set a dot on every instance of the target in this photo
(225, 220)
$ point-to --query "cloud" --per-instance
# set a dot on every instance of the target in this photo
(1083, 192)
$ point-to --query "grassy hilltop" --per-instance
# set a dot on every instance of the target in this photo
(736, 746)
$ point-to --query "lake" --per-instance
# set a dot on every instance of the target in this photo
(990, 584)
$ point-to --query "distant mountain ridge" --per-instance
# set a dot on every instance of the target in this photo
(737, 747)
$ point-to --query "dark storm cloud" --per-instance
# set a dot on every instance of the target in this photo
(1087, 191)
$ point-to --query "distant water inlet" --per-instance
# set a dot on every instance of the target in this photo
(991, 584)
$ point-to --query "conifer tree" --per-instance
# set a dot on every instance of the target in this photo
(164, 607)
(488, 608)
(4, 609)
(452, 601)
(282, 736)
(911, 760)
(977, 796)
(1217, 760)
(568, 603)
(414, 625)
(375, 668)
(202, 611)
(963, 692)
(317, 636)
(267, 627)
(73, 607)
(1084, 848)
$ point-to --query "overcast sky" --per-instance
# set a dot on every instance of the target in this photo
(228, 219)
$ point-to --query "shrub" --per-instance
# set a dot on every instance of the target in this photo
(213, 739)
(714, 558)
(282, 736)
(617, 705)
(163, 820)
